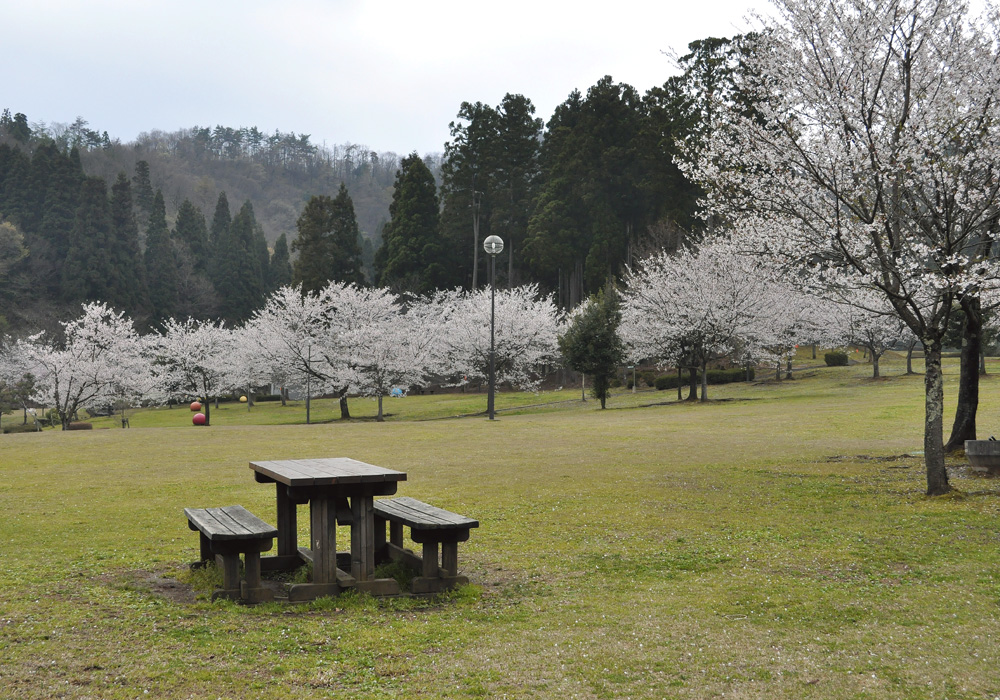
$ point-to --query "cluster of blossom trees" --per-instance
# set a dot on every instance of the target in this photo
(341, 339)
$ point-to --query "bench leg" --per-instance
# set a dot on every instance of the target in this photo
(449, 558)
(430, 559)
(206, 550)
(250, 589)
(230, 578)
(396, 533)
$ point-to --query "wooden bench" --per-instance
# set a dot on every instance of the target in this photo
(430, 527)
(225, 534)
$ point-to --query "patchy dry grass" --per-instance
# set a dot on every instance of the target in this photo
(774, 542)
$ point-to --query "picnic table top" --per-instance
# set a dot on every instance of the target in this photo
(329, 471)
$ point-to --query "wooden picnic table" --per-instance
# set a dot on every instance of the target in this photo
(337, 489)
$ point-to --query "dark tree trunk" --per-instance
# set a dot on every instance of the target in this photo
(345, 412)
(875, 358)
(692, 384)
(937, 474)
(909, 358)
(379, 418)
(964, 427)
(680, 383)
(788, 368)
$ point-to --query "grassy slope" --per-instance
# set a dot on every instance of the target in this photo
(740, 547)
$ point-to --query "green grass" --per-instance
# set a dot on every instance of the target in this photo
(773, 543)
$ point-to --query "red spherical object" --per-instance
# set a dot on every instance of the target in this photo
(199, 419)
(195, 406)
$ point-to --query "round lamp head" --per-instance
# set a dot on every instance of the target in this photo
(493, 245)
(198, 419)
(243, 399)
(195, 406)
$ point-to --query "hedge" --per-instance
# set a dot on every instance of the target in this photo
(836, 358)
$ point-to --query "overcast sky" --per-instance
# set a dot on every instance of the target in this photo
(390, 75)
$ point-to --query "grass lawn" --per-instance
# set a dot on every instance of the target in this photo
(772, 543)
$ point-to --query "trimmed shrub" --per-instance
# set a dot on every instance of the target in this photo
(836, 358)
(80, 425)
(29, 428)
(267, 397)
(714, 376)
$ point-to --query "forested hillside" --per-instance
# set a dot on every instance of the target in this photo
(207, 221)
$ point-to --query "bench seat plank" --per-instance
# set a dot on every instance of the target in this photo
(229, 523)
(421, 516)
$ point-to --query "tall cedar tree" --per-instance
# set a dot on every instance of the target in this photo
(591, 344)
(489, 172)
(279, 272)
(143, 191)
(126, 289)
(591, 205)
(327, 244)
(87, 270)
(191, 232)
(161, 264)
(218, 234)
(53, 196)
(240, 277)
(413, 253)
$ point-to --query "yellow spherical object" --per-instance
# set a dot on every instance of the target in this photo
(243, 399)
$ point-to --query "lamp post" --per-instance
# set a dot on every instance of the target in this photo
(492, 245)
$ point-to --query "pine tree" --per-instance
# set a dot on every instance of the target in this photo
(191, 232)
(218, 237)
(413, 253)
(328, 243)
(240, 280)
(161, 263)
(126, 289)
(143, 191)
(87, 268)
(280, 266)
(591, 344)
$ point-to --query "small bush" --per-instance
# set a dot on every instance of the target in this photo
(666, 381)
(80, 425)
(836, 358)
(29, 428)
(714, 376)
(267, 397)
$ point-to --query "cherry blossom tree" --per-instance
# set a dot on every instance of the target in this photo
(704, 304)
(83, 366)
(870, 160)
(293, 336)
(193, 359)
(526, 328)
(386, 343)
(867, 319)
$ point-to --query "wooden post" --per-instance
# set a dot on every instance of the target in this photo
(430, 560)
(362, 538)
(449, 558)
(323, 540)
(288, 536)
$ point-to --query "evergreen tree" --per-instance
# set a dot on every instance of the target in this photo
(328, 243)
(591, 344)
(126, 288)
(280, 266)
(413, 252)
(218, 236)
(87, 267)
(191, 232)
(240, 280)
(161, 263)
(143, 191)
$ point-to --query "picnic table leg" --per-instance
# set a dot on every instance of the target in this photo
(323, 521)
(362, 537)
(288, 537)
(449, 558)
